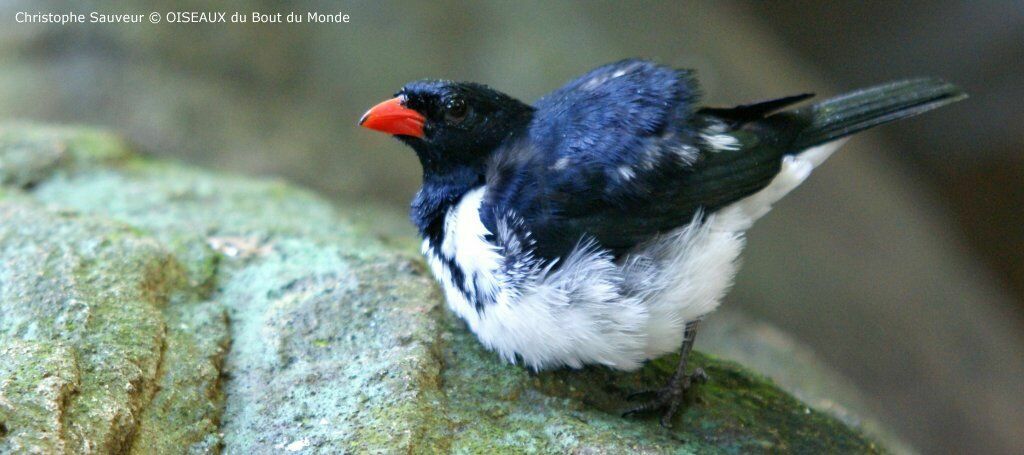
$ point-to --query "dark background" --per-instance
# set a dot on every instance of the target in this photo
(901, 261)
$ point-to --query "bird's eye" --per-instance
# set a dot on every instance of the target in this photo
(455, 110)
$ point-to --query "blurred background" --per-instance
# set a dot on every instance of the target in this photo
(900, 262)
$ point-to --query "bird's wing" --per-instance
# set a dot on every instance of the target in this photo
(620, 155)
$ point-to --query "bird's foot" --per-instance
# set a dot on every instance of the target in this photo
(668, 398)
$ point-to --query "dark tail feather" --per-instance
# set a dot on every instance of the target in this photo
(857, 111)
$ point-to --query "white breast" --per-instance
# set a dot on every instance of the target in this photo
(571, 316)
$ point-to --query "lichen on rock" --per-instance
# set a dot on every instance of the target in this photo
(149, 307)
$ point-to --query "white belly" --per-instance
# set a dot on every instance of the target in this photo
(593, 309)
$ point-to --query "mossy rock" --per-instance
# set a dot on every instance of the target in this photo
(148, 307)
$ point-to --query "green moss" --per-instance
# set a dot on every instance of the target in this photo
(31, 153)
(37, 377)
(92, 287)
(100, 290)
(187, 409)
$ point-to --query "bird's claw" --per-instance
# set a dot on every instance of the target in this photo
(640, 393)
(667, 399)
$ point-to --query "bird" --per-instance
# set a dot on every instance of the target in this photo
(602, 223)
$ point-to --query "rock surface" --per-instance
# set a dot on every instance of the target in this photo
(147, 307)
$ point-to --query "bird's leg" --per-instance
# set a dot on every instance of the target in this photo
(669, 397)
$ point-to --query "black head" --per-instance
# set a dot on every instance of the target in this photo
(449, 124)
